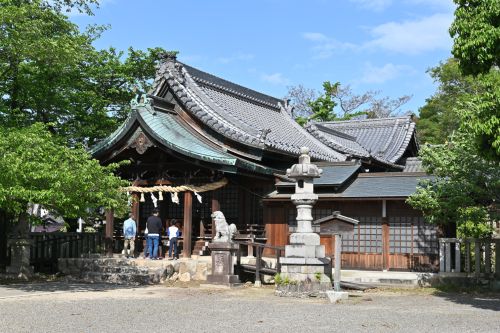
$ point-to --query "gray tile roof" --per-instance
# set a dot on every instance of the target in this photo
(239, 113)
(413, 164)
(374, 185)
(333, 174)
(384, 185)
(384, 139)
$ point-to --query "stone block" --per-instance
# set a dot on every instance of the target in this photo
(185, 277)
(292, 261)
(201, 272)
(336, 296)
(301, 251)
(309, 238)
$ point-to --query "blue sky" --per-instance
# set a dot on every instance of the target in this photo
(267, 45)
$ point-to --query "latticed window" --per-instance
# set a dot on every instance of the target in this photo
(228, 200)
(367, 236)
(411, 235)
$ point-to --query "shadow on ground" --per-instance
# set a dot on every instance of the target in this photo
(486, 301)
(60, 286)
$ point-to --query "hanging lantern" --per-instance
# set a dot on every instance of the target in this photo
(142, 198)
(160, 196)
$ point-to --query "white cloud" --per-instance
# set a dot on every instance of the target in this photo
(374, 74)
(275, 78)
(325, 46)
(236, 57)
(314, 36)
(413, 37)
(375, 5)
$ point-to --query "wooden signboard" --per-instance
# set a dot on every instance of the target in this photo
(337, 225)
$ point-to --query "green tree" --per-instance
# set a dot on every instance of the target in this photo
(36, 167)
(476, 33)
(51, 73)
(438, 118)
(465, 189)
(339, 102)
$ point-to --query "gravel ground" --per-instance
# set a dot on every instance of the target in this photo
(60, 307)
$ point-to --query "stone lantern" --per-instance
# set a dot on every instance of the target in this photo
(304, 264)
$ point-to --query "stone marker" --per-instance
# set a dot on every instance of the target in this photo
(223, 250)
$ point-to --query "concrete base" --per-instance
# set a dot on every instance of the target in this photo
(336, 296)
(223, 279)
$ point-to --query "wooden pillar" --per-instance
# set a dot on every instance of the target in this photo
(135, 209)
(188, 224)
(385, 237)
(108, 238)
(215, 207)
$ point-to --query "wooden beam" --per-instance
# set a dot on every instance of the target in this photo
(108, 239)
(188, 224)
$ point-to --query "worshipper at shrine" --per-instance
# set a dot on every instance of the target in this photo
(154, 226)
(129, 233)
(173, 234)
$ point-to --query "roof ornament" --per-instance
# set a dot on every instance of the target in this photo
(141, 99)
(263, 134)
(287, 107)
(169, 60)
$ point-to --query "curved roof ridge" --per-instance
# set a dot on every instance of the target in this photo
(327, 151)
(204, 109)
(233, 88)
(317, 132)
(116, 135)
(404, 143)
(367, 120)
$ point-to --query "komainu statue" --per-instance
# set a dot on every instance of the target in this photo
(223, 231)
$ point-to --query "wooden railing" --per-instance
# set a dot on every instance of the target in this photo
(48, 247)
(476, 257)
(258, 269)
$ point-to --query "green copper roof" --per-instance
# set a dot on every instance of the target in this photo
(168, 130)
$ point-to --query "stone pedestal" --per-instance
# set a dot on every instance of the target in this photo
(20, 257)
(223, 264)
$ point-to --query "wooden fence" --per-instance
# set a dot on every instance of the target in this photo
(476, 257)
(48, 247)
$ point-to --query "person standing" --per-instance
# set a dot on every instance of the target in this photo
(173, 233)
(129, 233)
(154, 225)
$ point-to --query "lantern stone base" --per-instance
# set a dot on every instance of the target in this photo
(301, 277)
(223, 264)
(20, 258)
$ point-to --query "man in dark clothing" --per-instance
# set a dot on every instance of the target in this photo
(154, 228)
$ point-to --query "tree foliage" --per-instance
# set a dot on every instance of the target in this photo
(339, 102)
(36, 167)
(476, 34)
(438, 118)
(465, 190)
(51, 73)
